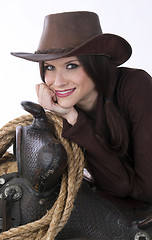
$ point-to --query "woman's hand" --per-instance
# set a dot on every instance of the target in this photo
(47, 99)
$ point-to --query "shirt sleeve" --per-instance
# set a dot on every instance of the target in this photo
(106, 169)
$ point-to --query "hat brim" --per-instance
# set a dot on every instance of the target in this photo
(114, 46)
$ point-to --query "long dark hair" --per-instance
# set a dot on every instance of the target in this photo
(104, 75)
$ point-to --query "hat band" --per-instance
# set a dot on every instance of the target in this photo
(55, 50)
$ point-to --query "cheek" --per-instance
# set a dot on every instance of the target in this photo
(86, 83)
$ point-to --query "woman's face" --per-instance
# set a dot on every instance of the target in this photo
(70, 83)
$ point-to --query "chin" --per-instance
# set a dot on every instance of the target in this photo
(65, 105)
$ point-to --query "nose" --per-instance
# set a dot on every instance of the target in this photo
(60, 80)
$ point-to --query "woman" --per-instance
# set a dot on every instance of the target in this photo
(105, 108)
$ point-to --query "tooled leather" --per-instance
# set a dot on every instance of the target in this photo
(41, 157)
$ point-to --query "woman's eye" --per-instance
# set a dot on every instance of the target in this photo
(72, 66)
(49, 67)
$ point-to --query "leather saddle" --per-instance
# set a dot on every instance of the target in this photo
(26, 195)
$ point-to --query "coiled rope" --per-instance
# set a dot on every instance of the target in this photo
(51, 224)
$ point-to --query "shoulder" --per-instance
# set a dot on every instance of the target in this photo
(131, 76)
(132, 81)
(134, 88)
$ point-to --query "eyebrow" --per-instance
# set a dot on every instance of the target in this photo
(45, 63)
(75, 60)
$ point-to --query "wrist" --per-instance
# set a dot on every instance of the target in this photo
(72, 117)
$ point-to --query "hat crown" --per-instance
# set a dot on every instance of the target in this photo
(69, 29)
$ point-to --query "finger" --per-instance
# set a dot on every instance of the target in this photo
(39, 88)
(54, 98)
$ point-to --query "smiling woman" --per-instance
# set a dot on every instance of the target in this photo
(105, 107)
(97, 99)
(95, 94)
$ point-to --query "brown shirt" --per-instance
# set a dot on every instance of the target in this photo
(134, 98)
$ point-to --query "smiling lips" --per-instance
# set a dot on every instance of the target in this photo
(64, 93)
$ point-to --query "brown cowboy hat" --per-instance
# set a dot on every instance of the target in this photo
(74, 34)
